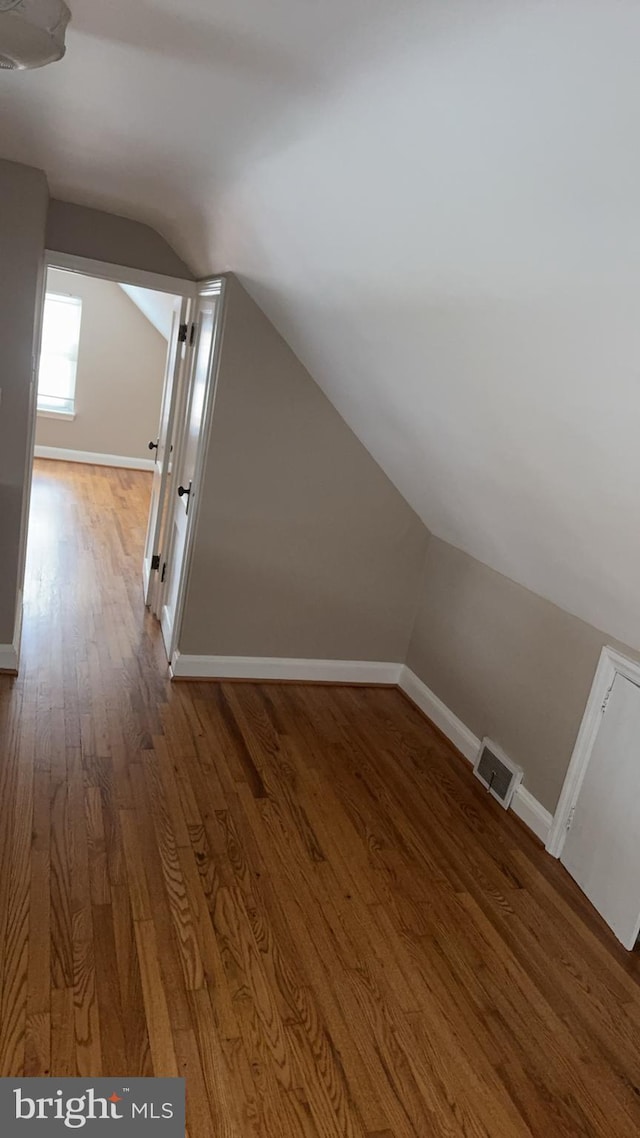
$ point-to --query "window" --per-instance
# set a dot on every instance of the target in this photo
(59, 354)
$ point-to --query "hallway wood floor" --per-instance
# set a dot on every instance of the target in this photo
(296, 896)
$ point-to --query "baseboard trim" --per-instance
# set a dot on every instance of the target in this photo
(532, 813)
(455, 730)
(186, 667)
(92, 459)
(524, 805)
(17, 630)
(8, 659)
(10, 653)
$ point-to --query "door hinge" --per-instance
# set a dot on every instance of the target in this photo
(570, 818)
(155, 562)
(164, 572)
(182, 333)
(192, 336)
(606, 699)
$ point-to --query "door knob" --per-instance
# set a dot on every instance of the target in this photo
(154, 446)
(182, 490)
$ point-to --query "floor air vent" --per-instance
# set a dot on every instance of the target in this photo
(495, 771)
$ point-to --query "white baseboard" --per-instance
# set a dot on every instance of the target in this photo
(439, 713)
(8, 658)
(10, 653)
(17, 629)
(532, 813)
(524, 805)
(93, 459)
(265, 668)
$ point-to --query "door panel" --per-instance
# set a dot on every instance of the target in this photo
(162, 465)
(189, 461)
(602, 848)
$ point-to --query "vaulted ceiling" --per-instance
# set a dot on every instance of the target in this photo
(438, 204)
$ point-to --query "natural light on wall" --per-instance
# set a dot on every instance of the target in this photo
(59, 354)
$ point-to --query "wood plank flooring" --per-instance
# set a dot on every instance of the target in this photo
(295, 896)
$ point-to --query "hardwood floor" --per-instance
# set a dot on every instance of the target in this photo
(295, 896)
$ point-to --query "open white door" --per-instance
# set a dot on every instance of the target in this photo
(163, 446)
(190, 457)
(602, 847)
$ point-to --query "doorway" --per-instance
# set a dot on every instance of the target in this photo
(111, 382)
(101, 371)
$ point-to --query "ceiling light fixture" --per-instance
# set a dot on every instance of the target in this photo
(32, 33)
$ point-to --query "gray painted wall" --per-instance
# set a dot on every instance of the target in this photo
(106, 237)
(508, 663)
(303, 547)
(23, 211)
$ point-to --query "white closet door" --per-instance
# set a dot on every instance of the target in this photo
(602, 847)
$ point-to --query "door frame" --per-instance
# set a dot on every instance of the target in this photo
(85, 266)
(119, 274)
(610, 664)
(211, 287)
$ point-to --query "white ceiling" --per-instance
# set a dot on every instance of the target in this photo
(437, 203)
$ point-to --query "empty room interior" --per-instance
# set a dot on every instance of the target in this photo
(319, 564)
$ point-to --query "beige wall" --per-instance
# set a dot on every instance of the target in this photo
(121, 364)
(510, 664)
(303, 546)
(23, 211)
(107, 237)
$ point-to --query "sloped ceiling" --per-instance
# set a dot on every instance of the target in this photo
(156, 306)
(438, 204)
